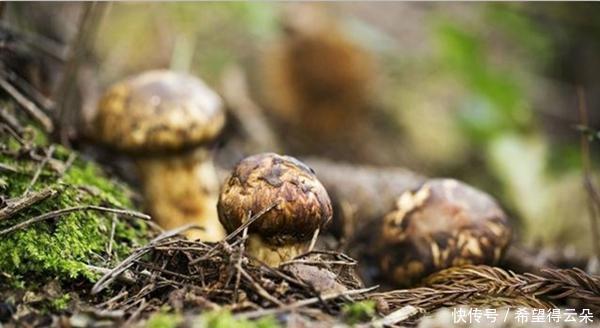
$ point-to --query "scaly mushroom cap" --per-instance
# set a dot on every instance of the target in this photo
(158, 111)
(260, 181)
(445, 223)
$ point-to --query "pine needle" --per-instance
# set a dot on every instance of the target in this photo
(484, 286)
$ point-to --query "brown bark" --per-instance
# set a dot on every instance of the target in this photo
(362, 194)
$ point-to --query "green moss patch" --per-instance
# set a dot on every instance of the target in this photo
(212, 319)
(65, 246)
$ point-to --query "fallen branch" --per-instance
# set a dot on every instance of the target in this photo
(8, 168)
(395, 317)
(126, 277)
(30, 107)
(362, 194)
(46, 45)
(15, 205)
(245, 110)
(303, 303)
(67, 108)
(26, 87)
(38, 171)
(11, 121)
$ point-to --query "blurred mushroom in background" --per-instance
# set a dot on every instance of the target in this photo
(318, 85)
(166, 121)
(320, 74)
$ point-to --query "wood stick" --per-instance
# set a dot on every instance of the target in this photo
(393, 318)
(361, 194)
(39, 169)
(303, 303)
(11, 121)
(66, 94)
(30, 107)
(8, 168)
(242, 106)
(46, 45)
(15, 205)
(26, 87)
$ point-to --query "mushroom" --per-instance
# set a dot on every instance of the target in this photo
(167, 120)
(301, 205)
(444, 223)
(325, 86)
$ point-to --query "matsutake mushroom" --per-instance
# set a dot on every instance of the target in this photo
(300, 205)
(167, 120)
(444, 223)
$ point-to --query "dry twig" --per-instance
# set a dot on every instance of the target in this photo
(15, 205)
(171, 263)
(249, 114)
(11, 121)
(38, 171)
(61, 212)
(30, 107)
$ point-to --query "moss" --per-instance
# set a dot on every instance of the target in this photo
(164, 320)
(224, 319)
(60, 303)
(358, 312)
(213, 319)
(63, 247)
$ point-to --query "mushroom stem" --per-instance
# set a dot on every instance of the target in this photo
(274, 255)
(183, 189)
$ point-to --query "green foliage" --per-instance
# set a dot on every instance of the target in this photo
(212, 34)
(63, 247)
(496, 102)
(163, 320)
(532, 40)
(487, 58)
(359, 311)
(60, 303)
(213, 319)
(224, 319)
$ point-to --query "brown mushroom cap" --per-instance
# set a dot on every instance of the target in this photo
(158, 111)
(445, 223)
(260, 181)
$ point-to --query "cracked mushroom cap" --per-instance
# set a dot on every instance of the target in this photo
(444, 223)
(257, 182)
(158, 111)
